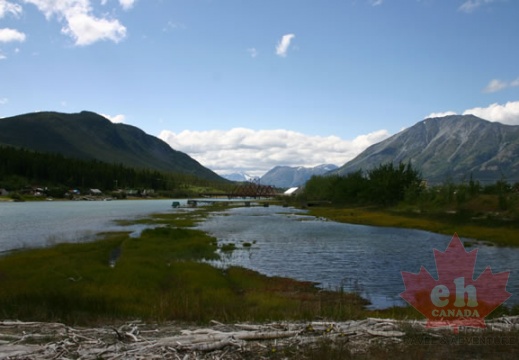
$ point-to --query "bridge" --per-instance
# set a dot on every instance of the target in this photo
(253, 190)
(249, 190)
(243, 193)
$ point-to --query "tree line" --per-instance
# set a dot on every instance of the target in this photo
(22, 168)
(390, 184)
(387, 184)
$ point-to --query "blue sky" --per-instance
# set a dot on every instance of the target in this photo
(247, 85)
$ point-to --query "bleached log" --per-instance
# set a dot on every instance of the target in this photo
(500, 327)
(246, 335)
(131, 336)
(7, 351)
(385, 333)
(385, 326)
(382, 320)
(31, 323)
(249, 327)
(215, 345)
(219, 336)
(200, 331)
(189, 339)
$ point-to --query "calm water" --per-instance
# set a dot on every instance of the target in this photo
(357, 258)
(37, 224)
(285, 242)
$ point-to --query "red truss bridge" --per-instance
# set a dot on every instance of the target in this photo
(252, 190)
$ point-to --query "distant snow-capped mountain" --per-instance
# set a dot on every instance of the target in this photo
(238, 176)
(287, 176)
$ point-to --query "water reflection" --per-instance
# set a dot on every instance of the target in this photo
(365, 259)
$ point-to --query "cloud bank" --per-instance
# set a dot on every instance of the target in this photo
(505, 114)
(77, 17)
(257, 151)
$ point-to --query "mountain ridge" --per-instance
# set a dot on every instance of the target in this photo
(293, 176)
(87, 135)
(453, 148)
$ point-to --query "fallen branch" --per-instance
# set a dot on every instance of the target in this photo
(238, 341)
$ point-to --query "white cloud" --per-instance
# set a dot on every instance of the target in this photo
(440, 114)
(471, 5)
(3, 101)
(80, 23)
(376, 2)
(496, 85)
(253, 52)
(257, 151)
(127, 4)
(7, 7)
(115, 119)
(506, 114)
(86, 29)
(172, 25)
(284, 43)
(9, 35)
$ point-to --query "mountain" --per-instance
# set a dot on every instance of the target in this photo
(238, 176)
(87, 135)
(287, 177)
(448, 148)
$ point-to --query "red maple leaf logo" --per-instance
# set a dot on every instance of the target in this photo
(455, 299)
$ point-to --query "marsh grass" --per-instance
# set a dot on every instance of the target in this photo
(159, 276)
(497, 230)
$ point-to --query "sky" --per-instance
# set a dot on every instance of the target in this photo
(246, 85)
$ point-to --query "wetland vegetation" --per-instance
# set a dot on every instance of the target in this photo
(159, 276)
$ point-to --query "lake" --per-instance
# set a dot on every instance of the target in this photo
(36, 224)
(284, 242)
(365, 259)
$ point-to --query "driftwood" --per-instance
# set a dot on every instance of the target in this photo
(35, 340)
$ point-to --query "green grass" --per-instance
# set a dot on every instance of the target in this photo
(497, 230)
(159, 276)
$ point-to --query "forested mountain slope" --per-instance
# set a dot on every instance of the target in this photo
(87, 135)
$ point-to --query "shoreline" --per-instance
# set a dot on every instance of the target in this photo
(500, 234)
